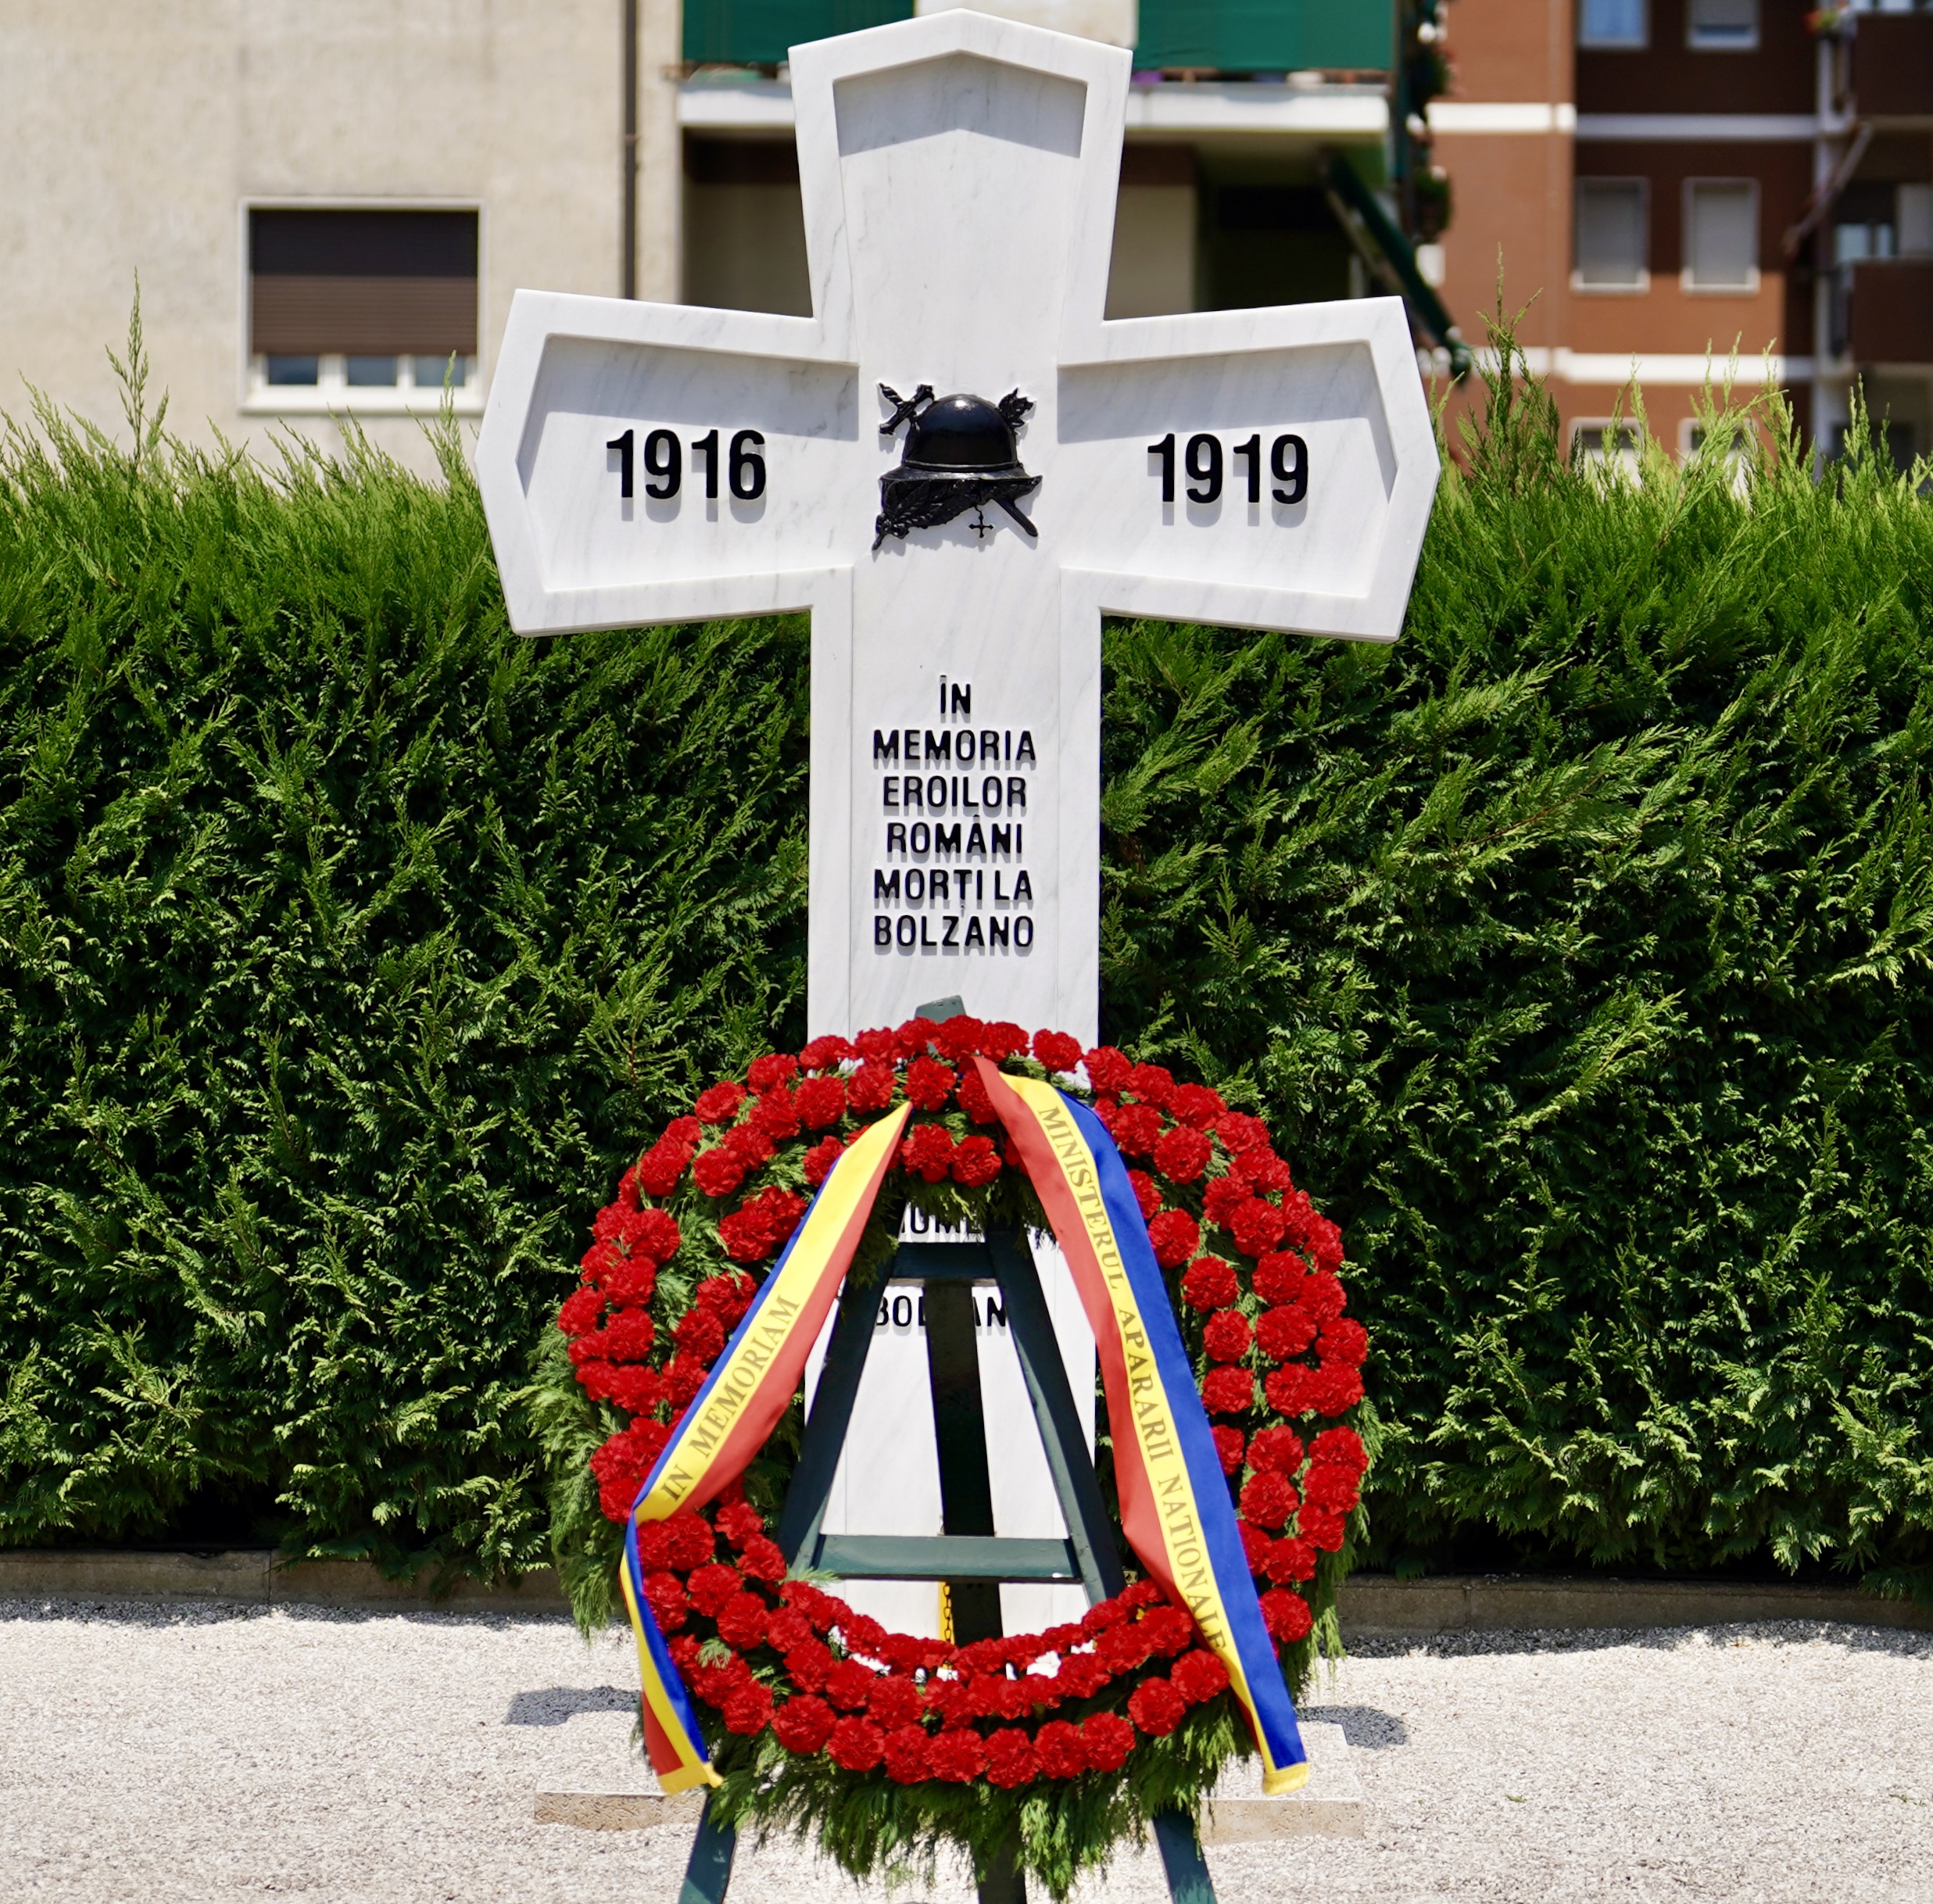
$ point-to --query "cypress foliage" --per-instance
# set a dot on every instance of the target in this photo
(1577, 948)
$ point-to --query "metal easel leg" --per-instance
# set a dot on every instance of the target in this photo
(709, 1869)
(1188, 1881)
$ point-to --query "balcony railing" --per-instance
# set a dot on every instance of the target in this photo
(1892, 67)
(1882, 311)
(1228, 36)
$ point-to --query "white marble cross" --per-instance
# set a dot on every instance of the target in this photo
(651, 463)
(648, 462)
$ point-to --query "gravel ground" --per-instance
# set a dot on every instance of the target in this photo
(205, 1752)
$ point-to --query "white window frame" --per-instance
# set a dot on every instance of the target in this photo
(1625, 463)
(1642, 284)
(331, 394)
(1722, 46)
(1589, 44)
(1749, 288)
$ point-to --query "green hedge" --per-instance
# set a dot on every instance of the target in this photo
(1577, 948)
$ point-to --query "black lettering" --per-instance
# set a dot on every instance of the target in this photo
(966, 795)
(881, 929)
(963, 699)
(996, 1313)
(1023, 931)
(909, 792)
(996, 932)
(989, 793)
(907, 931)
(976, 840)
(922, 837)
(892, 785)
(895, 837)
(939, 746)
(1023, 888)
(884, 888)
(928, 942)
(1020, 840)
(1003, 839)
(936, 886)
(989, 744)
(936, 794)
(886, 747)
(975, 937)
(915, 885)
(902, 1311)
(952, 922)
(1016, 792)
(1000, 898)
(947, 839)
(1025, 750)
(912, 747)
(963, 748)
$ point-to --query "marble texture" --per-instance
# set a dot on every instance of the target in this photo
(959, 175)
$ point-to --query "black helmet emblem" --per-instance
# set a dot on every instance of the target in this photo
(960, 454)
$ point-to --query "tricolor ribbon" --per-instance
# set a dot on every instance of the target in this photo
(1175, 1508)
(750, 1386)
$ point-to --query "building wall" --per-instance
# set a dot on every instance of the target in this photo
(132, 136)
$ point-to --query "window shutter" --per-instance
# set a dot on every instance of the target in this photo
(363, 282)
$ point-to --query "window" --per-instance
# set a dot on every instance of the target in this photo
(1604, 448)
(1723, 25)
(1721, 235)
(360, 308)
(1613, 22)
(1613, 234)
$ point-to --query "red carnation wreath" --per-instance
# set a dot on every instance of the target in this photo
(787, 1677)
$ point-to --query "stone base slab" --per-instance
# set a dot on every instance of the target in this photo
(1328, 1805)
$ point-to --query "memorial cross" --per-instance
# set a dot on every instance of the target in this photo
(957, 467)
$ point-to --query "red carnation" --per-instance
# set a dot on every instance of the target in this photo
(1256, 1227)
(878, 1044)
(1198, 1675)
(749, 1709)
(1137, 1127)
(711, 1586)
(1063, 1751)
(1107, 1071)
(763, 1560)
(1156, 1708)
(727, 1297)
(1337, 1387)
(975, 1162)
(1228, 1391)
(808, 1664)
(1147, 1197)
(862, 1633)
(1334, 1489)
(660, 1167)
(720, 1104)
(870, 1088)
(1325, 1242)
(1286, 1614)
(1344, 1340)
(774, 1067)
(635, 1390)
(1226, 1337)
(666, 1599)
(787, 1628)
(893, 1701)
(1280, 1276)
(916, 1036)
(1195, 1104)
(1121, 1649)
(1275, 1450)
(1168, 1629)
(1057, 1051)
(689, 1541)
(820, 1101)
(1290, 1390)
(906, 1762)
(804, 1724)
(1224, 1196)
(1011, 1759)
(1210, 1283)
(1108, 1738)
(748, 1144)
(718, 1172)
(1002, 1038)
(1267, 1172)
(1268, 1500)
(1325, 1296)
(958, 1039)
(817, 1162)
(856, 1745)
(927, 1152)
(1255, 1546)
(1176, 1236)
(974, 1100)
(684, 1375)
(1290, 1559)
(1285, 1331)
(1152, 1083)
(1239, 1133)
(1341, 1447)
(958, 1757)
(700, 1334)
(1183, 1155)
(580, 1311)
(1228, 1448)
(928, 1083)
(849, 1684)
(1321, 1529)
(738, 1521)
(776, 1114)
(742, 1622)
(632, 1283)
(823, 1054)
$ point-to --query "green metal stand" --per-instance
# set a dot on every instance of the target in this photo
(966, 1554)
